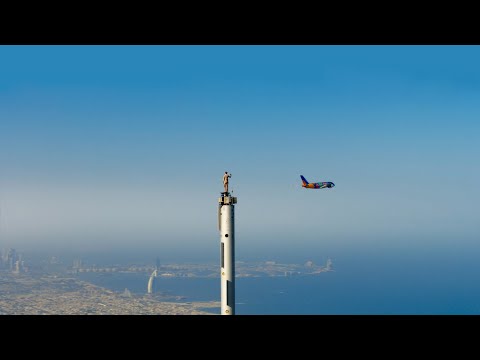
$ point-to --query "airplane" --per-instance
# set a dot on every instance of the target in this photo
(318, 185)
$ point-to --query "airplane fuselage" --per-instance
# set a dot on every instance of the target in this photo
(319, 185)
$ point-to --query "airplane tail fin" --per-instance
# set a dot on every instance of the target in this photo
(304, 181)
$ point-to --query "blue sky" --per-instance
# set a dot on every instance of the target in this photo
(105, 146)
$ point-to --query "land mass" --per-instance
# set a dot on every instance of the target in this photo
(54, 288)
(57, 295)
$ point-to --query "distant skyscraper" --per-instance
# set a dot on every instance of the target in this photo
(17, 267)
(328, 266)
(151, 282)
(11, 258)
(77, 263)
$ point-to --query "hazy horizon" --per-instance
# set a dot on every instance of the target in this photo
(118, 147)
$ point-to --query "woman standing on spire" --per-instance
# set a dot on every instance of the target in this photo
(225, 180)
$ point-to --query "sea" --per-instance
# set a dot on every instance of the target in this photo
(387, 284)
